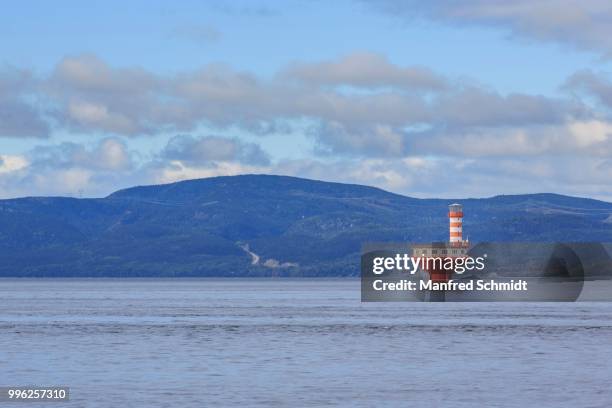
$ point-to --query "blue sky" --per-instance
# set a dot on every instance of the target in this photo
(443, 99)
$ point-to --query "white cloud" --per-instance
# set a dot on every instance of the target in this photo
(395, 127)
(20, 115)
(68, 169)
(89, 96)
(594, 133)
(375, 140)
(366, 70)
(10, 163)
(595, 85)
(584, 24)
(73, 180)
(213, 148)
(101, 169)
(176, 170)
(112, 154)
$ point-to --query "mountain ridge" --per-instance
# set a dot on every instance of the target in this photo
(295, 226)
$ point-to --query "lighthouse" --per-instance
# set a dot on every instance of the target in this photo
(455, 218)
(455, 247)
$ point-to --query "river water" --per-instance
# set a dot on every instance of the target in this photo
(284, 342)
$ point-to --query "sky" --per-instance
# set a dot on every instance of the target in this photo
(449, 99)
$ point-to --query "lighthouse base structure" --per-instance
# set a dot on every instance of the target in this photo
(437, 276)
(455, 248)
(436, 272)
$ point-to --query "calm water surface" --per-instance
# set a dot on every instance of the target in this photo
(194, 343)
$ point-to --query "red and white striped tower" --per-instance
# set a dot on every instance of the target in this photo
(455, 218)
